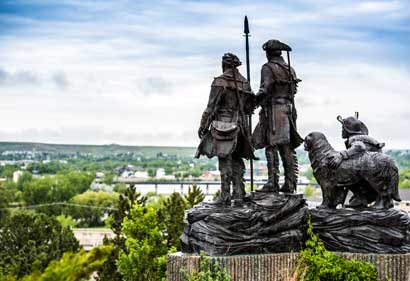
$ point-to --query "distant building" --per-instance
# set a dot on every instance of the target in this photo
(141, 175)
(160, 173)
(17, 175)
(210, 176)
(91, 237)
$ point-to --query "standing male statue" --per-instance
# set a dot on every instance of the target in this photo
(224, 131)
(276, 130)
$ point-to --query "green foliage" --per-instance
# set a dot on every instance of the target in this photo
(152, 172)
(309, 191)
(25, 178)
(30, 241)
(92, 216)
(108, 178)
(156, 201)
(315, 263)
(171, 216)
(52, 167)
(404, 179)
(145, 255)
(194, 196)
(6, 197)
(59, 188)
(126, 202)
(209, 271)
(66, 221)
(401, 158)
(73, 266)
(8, 170)
(120, 188)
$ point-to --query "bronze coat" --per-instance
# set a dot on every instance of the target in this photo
(276, 102)
(224, 106)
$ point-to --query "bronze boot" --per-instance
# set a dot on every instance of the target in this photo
(290, 165)
(272, 158)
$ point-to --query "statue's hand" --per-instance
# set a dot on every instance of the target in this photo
(202, 132)
(335, 160)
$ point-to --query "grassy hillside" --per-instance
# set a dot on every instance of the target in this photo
(147, 151)
(402, 157)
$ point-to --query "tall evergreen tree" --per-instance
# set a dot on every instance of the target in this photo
(171, 216)
(146, 250)
(194, 196)
(131, 197)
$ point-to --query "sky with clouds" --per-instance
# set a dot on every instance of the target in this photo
(139, 72)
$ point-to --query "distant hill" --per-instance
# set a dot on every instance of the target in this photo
(402, 157)
(102, 150)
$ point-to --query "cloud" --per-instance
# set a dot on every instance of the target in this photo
(18, 78)
(154, 85)
(60, 79)
(139, 72)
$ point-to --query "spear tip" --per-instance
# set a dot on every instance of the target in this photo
(246, 25)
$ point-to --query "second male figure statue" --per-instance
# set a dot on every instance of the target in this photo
(224, 131)
(276, 130)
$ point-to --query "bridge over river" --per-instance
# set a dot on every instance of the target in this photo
(168, 187)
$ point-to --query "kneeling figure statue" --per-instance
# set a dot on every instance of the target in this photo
(362, 168)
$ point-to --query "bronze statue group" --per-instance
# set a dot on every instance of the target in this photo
(225, 132)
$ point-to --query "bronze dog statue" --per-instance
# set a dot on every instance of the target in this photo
(373, 171)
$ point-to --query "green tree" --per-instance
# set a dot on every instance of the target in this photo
(73, 266)
(171, 216)
(51, 189)
(99, 204)
(194, 196)
(8, 170)
(126, 202)
(120, 188)
(145, 255)
(109, 178)
(24, 180)
(30, 241)
(66, 221)
(152, 172)
(404, 178)
(8, 195)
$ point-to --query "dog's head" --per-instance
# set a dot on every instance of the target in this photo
(312, 139)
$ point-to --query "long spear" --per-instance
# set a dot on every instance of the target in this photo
(248, 76)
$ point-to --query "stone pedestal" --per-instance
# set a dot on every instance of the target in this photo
(277, 267)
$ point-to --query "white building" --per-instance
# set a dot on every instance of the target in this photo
(160, 173)
(17, 175)
(141, 174)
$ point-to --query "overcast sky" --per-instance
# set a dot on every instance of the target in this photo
(139, 72)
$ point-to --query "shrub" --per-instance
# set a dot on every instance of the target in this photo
(315, 263)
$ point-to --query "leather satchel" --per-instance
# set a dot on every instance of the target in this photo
(221, 130)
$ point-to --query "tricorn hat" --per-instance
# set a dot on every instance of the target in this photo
(353, 125)
(275, 45)
(231, 59)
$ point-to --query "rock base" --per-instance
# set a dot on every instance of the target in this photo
(276, 223)
(277, 267)
(265, 223)
(363, 231)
